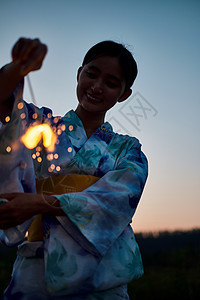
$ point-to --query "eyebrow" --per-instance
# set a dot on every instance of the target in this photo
(110, 75)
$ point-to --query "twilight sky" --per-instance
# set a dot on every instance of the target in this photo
(163, 112)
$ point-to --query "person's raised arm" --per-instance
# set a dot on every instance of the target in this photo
(27, 56)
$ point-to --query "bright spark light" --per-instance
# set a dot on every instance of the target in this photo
(37, 132)
(8, 149)
(7, 119)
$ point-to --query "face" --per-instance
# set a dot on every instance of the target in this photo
(101, 84)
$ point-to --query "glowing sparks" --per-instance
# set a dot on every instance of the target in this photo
(20, 105)
(49, 115)
(56, 155)
(34, 134)
(63, 127)
(22, 116)
(50, 156)
(51, 168)
(59, 131)
(71, 127)
(7, 119)
(34, 116)
(39, 159)
(55, 120)
(8, 149)
(69, 149)
(49, 138)
(38, 132)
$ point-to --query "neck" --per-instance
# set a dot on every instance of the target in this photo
(91, 120)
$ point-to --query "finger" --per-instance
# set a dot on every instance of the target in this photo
(35, 59)
(15, 49)
(3, 201)
(10, 196)
(8, 214)
(30, 47)
(27, 47)
(6, 218)
(23, 47)
(18, 48)
(5, 210)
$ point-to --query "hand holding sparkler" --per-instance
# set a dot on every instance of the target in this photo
(29, 54)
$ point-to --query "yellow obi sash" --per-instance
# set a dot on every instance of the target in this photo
(57, 185)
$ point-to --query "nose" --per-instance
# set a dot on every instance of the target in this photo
(97, 87)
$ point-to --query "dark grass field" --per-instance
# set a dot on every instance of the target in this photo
(171, 266)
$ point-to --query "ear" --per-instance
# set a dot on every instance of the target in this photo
(78, 73)
(125, 95)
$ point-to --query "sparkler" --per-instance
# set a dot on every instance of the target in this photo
(42, 132)
(31, 90)
(37, 131)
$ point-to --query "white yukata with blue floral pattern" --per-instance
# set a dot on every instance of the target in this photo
(90, 253)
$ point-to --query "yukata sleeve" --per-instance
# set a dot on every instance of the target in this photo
(16, 167)
(103, 211)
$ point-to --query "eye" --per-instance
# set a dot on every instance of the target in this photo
(91, 74)
(111, 84)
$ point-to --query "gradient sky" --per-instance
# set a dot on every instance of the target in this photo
(164, 38)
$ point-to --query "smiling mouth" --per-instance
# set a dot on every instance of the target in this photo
(93, 98)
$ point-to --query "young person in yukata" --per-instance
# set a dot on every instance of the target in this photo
(80, 244)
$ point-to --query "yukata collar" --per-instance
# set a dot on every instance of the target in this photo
(72, 116)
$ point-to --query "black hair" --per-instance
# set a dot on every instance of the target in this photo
(113, 49)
